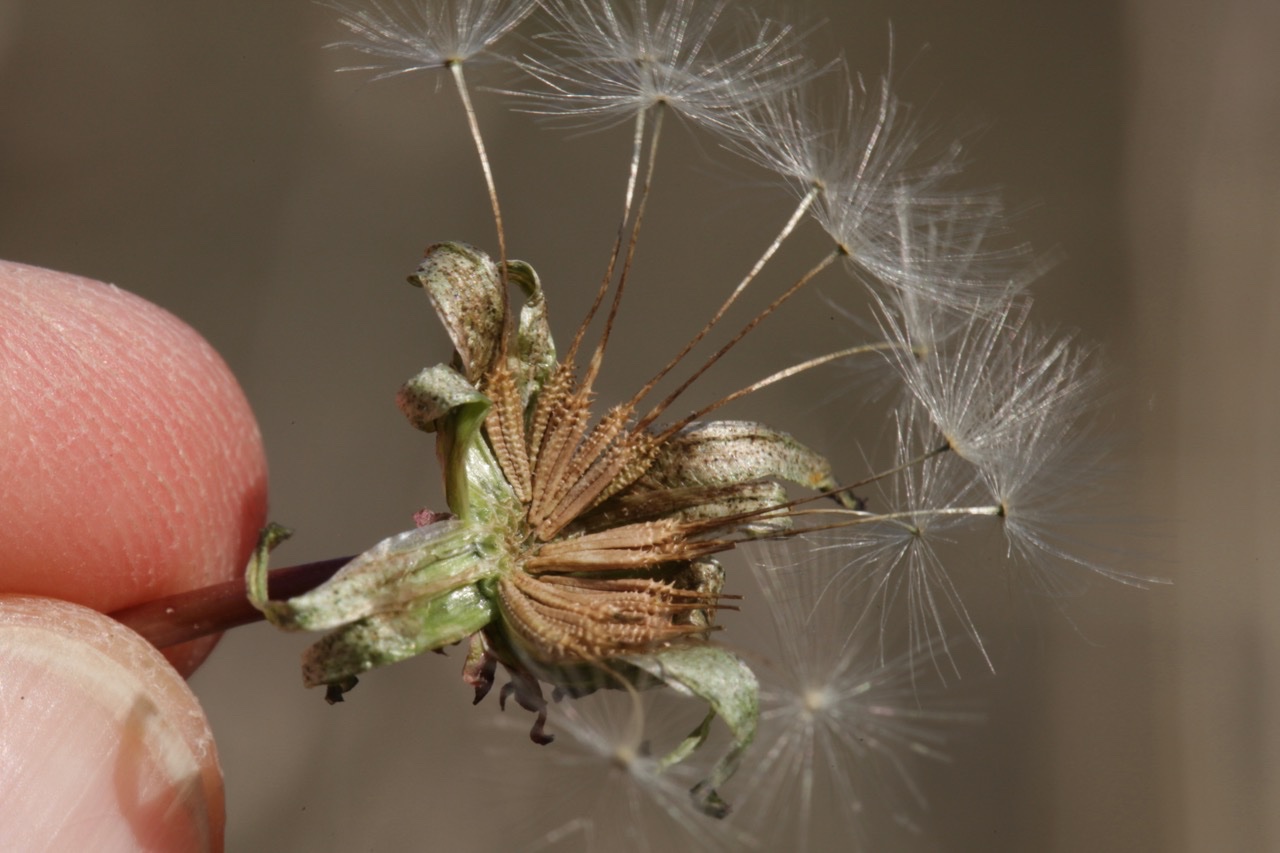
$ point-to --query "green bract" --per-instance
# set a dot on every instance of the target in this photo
(575, 554)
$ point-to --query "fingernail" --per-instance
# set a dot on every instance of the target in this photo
(102, 744)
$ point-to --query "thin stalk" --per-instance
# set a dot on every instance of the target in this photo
(213, 609)
(652, 156)
(848, 518)
(865, 517)
(472, 122)
(657, 410)
(637, 148)
(633, 174)
(789, 227)
(880, 475)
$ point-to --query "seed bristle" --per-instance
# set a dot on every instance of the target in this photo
(505, 428)
(588, 619)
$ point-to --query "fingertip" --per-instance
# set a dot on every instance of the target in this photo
(105, 745)
(131, 466)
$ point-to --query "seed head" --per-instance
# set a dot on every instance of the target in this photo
(418, 35)
(607, 61)
(582, 547)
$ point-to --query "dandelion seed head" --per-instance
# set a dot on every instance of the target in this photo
(866, 158)
(891, 568)
(994, 382)
(816, 700)
(806, 134)
(607, 61)
(1055, 489)
(416, 35)
(935, 268)
(839, 721)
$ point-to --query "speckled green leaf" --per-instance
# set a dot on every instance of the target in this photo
(391, 637)
(463, 285)
(720, 453)
(255, 574)
(395, 574)
(535, 351)
(694, 503)
(726, 684)
(439, 400)
(436, 392)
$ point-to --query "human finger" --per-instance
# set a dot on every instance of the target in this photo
(104, 745)
(131, 466)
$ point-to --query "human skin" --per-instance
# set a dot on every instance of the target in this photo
(130, 468)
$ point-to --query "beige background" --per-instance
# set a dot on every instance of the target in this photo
(206, 157)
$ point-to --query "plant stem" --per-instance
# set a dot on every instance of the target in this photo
(213, 609)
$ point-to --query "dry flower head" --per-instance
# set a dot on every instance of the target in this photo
(580, 548)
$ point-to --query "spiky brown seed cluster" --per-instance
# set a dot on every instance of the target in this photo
(607, 560)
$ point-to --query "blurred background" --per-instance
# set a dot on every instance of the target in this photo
(207, 157)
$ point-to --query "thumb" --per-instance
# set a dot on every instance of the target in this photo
(103, 745)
